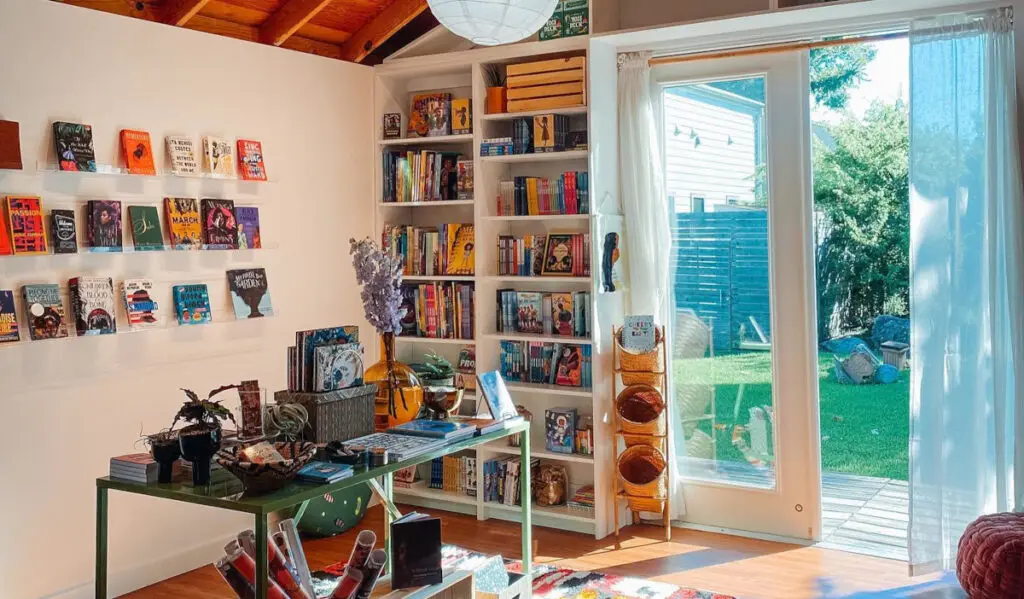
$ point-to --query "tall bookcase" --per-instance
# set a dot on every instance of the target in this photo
(462, 74)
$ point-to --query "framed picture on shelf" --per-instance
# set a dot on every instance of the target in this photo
(558, 255)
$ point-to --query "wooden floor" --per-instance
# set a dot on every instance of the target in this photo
(741, 567)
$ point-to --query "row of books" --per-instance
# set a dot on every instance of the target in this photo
(555, 254)
(220, 225)
(454, 474)
(439, 310)
(325, 359)
(426, 177)
(536, 313)
(434, 115)
(73, 143)
(566, 431)
(449, 249)
(547, 363)
(533, 196)
(502, 480)
(539, 134)
(93, 309)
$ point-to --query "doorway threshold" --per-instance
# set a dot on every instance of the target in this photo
(865, 515)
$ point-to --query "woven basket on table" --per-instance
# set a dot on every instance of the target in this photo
(990, 558)
(269, 476)
(641, 410)
(641, 369)
(335, 415)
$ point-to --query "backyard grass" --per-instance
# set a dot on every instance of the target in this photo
(864, 428)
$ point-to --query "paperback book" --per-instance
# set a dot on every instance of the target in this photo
(63, 232)
(139, 304)
(218, 156)
(103, 224)
(220, 228)
(8, 318)
(73, 144)
(5, 239)
(462, 116)
(26, 226)
(416, 540)
(182, 152)
(146, 232)
(337, 367)
(435, 429)
(184, 225)
(306, 343)
(192, 304)
(137, 148)
(248, 219)
(325, 472)
(499, 402)
(92, 304)
(250, 293)
(250, 160)
(45, 309)
(430, 115)
(10, 145)
(560, 429)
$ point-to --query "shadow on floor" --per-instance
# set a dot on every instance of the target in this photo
(946, 587)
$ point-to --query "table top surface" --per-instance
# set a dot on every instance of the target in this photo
(230, 495)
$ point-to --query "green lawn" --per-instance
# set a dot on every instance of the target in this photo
(864, 428)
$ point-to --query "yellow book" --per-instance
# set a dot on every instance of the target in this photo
(461, 250)
(462, 116)
(533, 206)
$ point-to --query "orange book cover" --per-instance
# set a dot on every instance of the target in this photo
(250, 160)
(138, 152)
(5, 241)
(26, 225)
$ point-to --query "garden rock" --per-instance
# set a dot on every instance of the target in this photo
(842, 345)
(890, 328)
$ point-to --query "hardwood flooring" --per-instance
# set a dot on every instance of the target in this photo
(745, 568)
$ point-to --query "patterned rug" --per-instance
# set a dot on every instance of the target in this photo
(551, 582)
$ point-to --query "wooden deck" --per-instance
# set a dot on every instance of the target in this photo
(866, 515)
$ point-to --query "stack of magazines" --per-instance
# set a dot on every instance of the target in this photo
(137, 467)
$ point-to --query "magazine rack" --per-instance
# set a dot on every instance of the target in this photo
(648, 441)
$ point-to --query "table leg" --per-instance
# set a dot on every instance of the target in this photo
(262, 568)
(527, 518)
(389, 498)
(101, 543)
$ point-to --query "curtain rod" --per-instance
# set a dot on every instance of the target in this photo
(777, 48)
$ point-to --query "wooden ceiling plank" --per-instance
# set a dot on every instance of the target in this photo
(236, 14)
(150, 9)
(288, 19)
(252, 34)
(383, 26)
(178, 12)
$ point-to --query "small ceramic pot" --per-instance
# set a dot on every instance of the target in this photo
(166, 452)
(497, 100)
(198, 445)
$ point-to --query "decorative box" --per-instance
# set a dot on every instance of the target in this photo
(335, 415)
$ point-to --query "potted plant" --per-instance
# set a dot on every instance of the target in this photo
(437, 371)
(200, 440)
(497, 95)
(166, 449)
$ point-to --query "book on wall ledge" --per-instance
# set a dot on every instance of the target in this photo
(26, 225)
(139, 305)
(10, 145)
(250, 160)
(6, 249)
(8, 318)
(182, 152)
(250, 293)
(74, 147)
(248, 219)
(103, 225)
(92, 305)
(63, 232)
(220, 226)
(137, 148)
(44, 308)
(146, 232)
(192, 304)
(218, 156)
(184, 225)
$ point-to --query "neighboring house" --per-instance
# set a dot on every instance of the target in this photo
(713, 144)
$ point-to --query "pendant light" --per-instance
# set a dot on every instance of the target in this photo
(493, 22)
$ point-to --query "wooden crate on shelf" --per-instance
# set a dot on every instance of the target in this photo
(547, 84)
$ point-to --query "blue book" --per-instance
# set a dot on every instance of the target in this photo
(325, 472)
(496, 393)
(435, 429)
(192, 304)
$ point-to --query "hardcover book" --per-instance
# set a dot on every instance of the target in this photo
(416, 543)
(137, 148)
(325, 472)
(182, 152)
(559, 256)
(499, 402)
(92, 304)
(8, 318)
(220, 229)
(63, 232)
(337, 367)
(529, 314)
(461, 251)
(104, 225)
(184, 226)
(560, 429)
(306, 343)
(543, 133)
(27, 229)
(5, 240)
(562, 314)
(139, 304)
(218, 156)
(392, 125)
(10, 145)
(464, 180)
(248, 219)
(250, 160)
(250, 293)
(45, 308)
(570, 363)
(73, 143)
(638, 334)
(435, 429)
(192, 304)
(462, 116)
(430, 115)
(146, 231)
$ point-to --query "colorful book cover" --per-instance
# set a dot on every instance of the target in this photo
(146, 232)
(220, 228)
(559, 254)
(8, 318)
(73, 143)
(250, 160)
(184, 226)
(248, 219)
(182, 151)
(392, 125)
(499, 402)
(308, 341)
(218, 156)
(560, 429)
(529, 315)
(92, 302)
(439, 115)
(576, 18)
(638, 334)
(562, 314)
(139, 303)
(63, 232)
(544, 133)
(464, 181)
(337, 367)
(419, 125)
(250, 293)
(192, 304)
(45, 308)
(569, 366)
(5, 240)
(104, 225)
(461, 250)
(138, 152)
(462, 116)
(27, 228)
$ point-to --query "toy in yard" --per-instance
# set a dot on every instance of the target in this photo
(863, 367)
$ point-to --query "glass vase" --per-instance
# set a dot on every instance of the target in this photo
(399, 391)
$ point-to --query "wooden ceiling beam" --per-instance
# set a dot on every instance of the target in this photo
(252, 34)
(288, 19)
(381, 28)
(178, 12)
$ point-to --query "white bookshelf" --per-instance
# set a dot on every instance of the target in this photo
(462, 74)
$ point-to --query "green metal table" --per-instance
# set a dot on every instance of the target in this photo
(231, 496)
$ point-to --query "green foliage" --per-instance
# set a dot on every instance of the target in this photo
(436, 368)
(861, 193)
(204, 411)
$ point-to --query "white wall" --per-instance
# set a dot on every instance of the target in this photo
(67, 406)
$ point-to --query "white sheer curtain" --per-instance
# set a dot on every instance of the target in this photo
(647, 238)
(966, 281)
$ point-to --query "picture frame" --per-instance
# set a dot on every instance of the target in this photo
(559, 256)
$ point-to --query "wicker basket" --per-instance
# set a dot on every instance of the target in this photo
(641, 410)
(269, 476)
(646, 368)
(335, 415)
(645, 504)
(643, 472)
(658, 442)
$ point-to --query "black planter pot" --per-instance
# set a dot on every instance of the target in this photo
(166, 452)
(198, 445)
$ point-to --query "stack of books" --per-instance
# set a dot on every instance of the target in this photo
(502, 480)
(583, 500)
(438, 310)
(454, 474)
(546, 363)
(496, 146)
(325, 473)
(533, 196)
(136, 467)
(535, 313)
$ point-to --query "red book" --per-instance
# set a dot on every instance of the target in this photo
(26, 224)
(250, 160)
(570, 193)
(431, 303)
(5, 241)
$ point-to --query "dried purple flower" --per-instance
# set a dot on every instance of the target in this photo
(380, 274)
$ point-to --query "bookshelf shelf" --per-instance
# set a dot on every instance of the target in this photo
(420, 489)
(542, 157)
(560, 512)
(163, 249)
(539, 338)
(540, 389)
(437, 278)
(109, 170)
(544, 455)
(539, 217)
(431, 340)
(510, 116)
(422, 141)
(443, 204)
(550, 279)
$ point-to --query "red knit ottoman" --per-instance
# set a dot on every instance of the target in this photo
(990, 561)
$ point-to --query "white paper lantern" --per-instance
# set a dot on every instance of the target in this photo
(493, 22)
